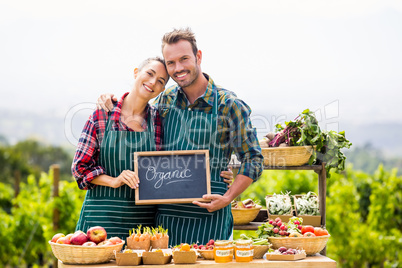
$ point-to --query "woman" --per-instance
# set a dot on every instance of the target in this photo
(103, 162)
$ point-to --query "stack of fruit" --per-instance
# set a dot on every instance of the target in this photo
(95, 236)
(85, 248)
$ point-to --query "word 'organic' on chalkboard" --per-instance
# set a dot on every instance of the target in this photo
(172, 176)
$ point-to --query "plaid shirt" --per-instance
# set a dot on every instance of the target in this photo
(234, 126)
(85, 165)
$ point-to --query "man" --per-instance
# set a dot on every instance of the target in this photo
(198, 114)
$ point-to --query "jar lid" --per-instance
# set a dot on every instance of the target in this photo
(244, 242)
(221, 243)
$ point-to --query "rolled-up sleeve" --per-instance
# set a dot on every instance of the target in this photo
(243, 137)
(85, 165)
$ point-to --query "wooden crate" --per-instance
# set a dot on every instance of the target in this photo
(307, 219)
(284, 218)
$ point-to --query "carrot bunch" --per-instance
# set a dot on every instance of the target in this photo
(139, 236)
(158, 233)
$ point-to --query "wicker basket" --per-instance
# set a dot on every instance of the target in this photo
(243, 216)
(311, 245)
(287, 156)
(260, 250)
(71, 254)
(207, 254)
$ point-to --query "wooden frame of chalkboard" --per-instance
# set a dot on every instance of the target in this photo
(172, 176)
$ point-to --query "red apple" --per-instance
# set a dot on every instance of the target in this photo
(115, 240)
(69, 236)
(105, 243)
(89, 244)
(57, 236)
(97, 234)
(63, 240)
(79, 238)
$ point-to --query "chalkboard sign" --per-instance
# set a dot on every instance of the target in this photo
(172, 176)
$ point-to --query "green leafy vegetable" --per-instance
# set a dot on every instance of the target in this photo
(307, 205)
(256, 240)
(279, 204)
(304, 130)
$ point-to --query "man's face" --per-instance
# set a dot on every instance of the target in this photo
(182, 65)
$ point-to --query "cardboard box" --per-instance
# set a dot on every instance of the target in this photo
(184, 257)
(128, 259)
(161, 243)
(307, 219)
(280, 257)
(311, 220)
(158, 258)
(144, 245)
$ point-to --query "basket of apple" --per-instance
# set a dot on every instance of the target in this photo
(294, 235)
(85, 248)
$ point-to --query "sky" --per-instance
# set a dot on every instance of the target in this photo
(342, 59)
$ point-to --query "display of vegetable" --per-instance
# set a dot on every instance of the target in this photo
(279, 204)
(307, 204)
(304, 130)
(277, 228)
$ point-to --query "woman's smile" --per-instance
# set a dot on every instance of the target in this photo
(148, 88)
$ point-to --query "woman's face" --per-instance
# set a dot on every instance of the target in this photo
(150, 81)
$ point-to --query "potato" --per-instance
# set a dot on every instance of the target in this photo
(264, 143)
(283, 145)
(270, 136)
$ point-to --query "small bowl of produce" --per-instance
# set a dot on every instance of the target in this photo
(260, 245)
(285, 254)
(244, 211)
(184, 253)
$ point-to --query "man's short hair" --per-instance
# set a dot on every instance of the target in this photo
(180, 34)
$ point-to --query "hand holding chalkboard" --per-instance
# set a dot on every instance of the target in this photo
(215, 202)
(172, 176)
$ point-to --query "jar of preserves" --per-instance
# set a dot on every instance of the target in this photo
(244, 250)
(223, 251)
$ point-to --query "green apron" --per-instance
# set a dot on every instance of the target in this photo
(114, 208)
(188, 223)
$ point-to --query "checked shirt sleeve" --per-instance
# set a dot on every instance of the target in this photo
(243, 137)
(85, 165)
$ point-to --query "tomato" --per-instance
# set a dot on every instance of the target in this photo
(319, 231)
(307, 228)
(309, 234)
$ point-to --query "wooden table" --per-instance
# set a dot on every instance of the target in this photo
(317, 260)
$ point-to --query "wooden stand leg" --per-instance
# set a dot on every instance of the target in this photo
(322, 193)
